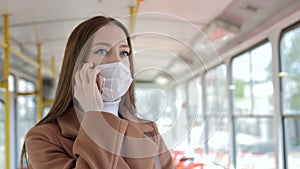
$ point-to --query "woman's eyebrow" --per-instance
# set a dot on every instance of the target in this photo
(102, 43)
(109, 45)
(124, 46)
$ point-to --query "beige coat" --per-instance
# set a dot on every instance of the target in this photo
(67, 144)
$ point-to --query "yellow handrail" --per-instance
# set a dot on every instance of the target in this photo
(4, 84)
(53, 65)
(40, 82)
(3, 44)
(29, 60)
(27, 93)
(133, 11)
(131, 22)
(137, 6)
(6, 73)
(24, 57)
(48, 102)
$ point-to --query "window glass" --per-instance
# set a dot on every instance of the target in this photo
(2, 135)
(46, 110)
(26, 112)
(290, 89)
(194, 121)
(25, 86)
(215, 86)
(215, 115)
(253, 97)
(195, 101)
(152, 104)
(292, 142)
(218, 140)
(187, 128)
(252, 82)
(178, 127)
(180, 97)
(255, 143)
(11, 83)
(290, 68)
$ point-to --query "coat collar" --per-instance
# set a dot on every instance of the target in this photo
(69, 123)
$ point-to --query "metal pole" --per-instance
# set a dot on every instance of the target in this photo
(28, 60)
(6, 73)
(40, 82)
(48, 102)
(133, 11)
(53, 65)
(131, 23)
(231, 122)
(27, 93)
(280, 153)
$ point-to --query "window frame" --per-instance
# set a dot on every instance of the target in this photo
(284, 117)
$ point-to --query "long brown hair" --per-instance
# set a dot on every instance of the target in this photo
(63, 97)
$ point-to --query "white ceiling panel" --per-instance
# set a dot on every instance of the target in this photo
(153, 58)
(158, 41)
(195, 11)
(42, 32)
(171, 25)
(26, 11)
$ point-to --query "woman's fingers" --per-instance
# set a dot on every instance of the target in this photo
(94, 74)
(77, 77)
(85, 89)
(84, 72)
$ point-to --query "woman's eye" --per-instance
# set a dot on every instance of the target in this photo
(101, 52)
(124, 53)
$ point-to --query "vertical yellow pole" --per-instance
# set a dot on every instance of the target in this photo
(40, 82)
(138, 3)
(53, 65)
(6, 73)
(131, 25)
(133, 12)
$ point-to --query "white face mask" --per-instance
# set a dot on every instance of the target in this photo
(117, 80)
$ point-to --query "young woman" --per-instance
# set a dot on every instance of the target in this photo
(91, 123)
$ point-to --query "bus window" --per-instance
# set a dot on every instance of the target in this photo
(188, 128)
(11, 83)
(11, 87)
(290, 82)
(196, 116)
(2, 135)
(253, 107)
(215, 115)
(152, 104)
(46, 110)
(26, 112)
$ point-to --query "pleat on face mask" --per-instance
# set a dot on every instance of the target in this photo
(117, 80)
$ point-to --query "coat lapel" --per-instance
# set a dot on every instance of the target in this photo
(139, 147)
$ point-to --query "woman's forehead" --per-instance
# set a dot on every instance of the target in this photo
(110, 34)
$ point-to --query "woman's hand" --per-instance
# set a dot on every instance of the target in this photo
(86, 90)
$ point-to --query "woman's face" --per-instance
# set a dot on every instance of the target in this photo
(109, 45)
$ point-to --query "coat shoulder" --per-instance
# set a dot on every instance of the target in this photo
(47, 131)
